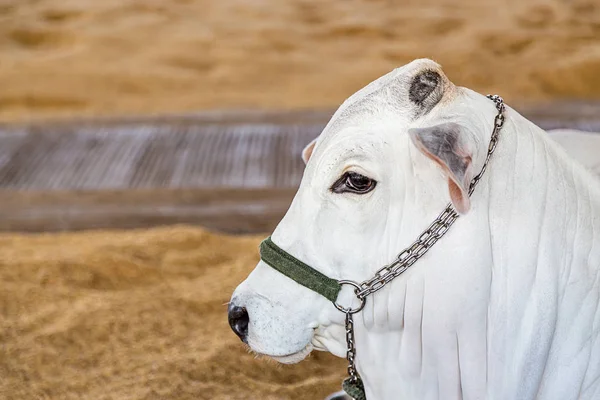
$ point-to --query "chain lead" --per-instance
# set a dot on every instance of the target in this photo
(351, 349)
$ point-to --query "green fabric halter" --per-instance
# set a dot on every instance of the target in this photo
(298, 271)
(312, 279)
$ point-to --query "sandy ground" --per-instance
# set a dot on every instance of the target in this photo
(136, 315)
(90, 57)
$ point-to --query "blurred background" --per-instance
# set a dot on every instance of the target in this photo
(146, 147)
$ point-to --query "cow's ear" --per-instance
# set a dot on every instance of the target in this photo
(447, 145)
(308, 150)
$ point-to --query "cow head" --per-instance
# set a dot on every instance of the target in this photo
(390, 159)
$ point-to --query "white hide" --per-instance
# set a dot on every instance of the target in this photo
(505, 306)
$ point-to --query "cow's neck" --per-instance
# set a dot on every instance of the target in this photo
(545, 224)
(481, 319)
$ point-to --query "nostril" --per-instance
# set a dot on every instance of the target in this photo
(238, 320)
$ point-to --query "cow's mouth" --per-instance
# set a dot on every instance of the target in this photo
(296, 357)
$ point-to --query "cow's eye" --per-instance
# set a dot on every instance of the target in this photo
(353, 182)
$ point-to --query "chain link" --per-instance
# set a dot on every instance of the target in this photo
(410, 255)
(351, 349)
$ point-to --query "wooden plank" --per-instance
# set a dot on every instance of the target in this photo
(225, 210)
(148, 157)
(235, 176)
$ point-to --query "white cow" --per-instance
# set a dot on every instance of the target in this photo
(504, 307)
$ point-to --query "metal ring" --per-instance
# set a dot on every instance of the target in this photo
(356, 289)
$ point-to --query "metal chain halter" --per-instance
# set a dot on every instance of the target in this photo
(353, 385)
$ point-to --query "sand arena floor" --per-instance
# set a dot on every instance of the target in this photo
(109, 57)
(135, 315)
